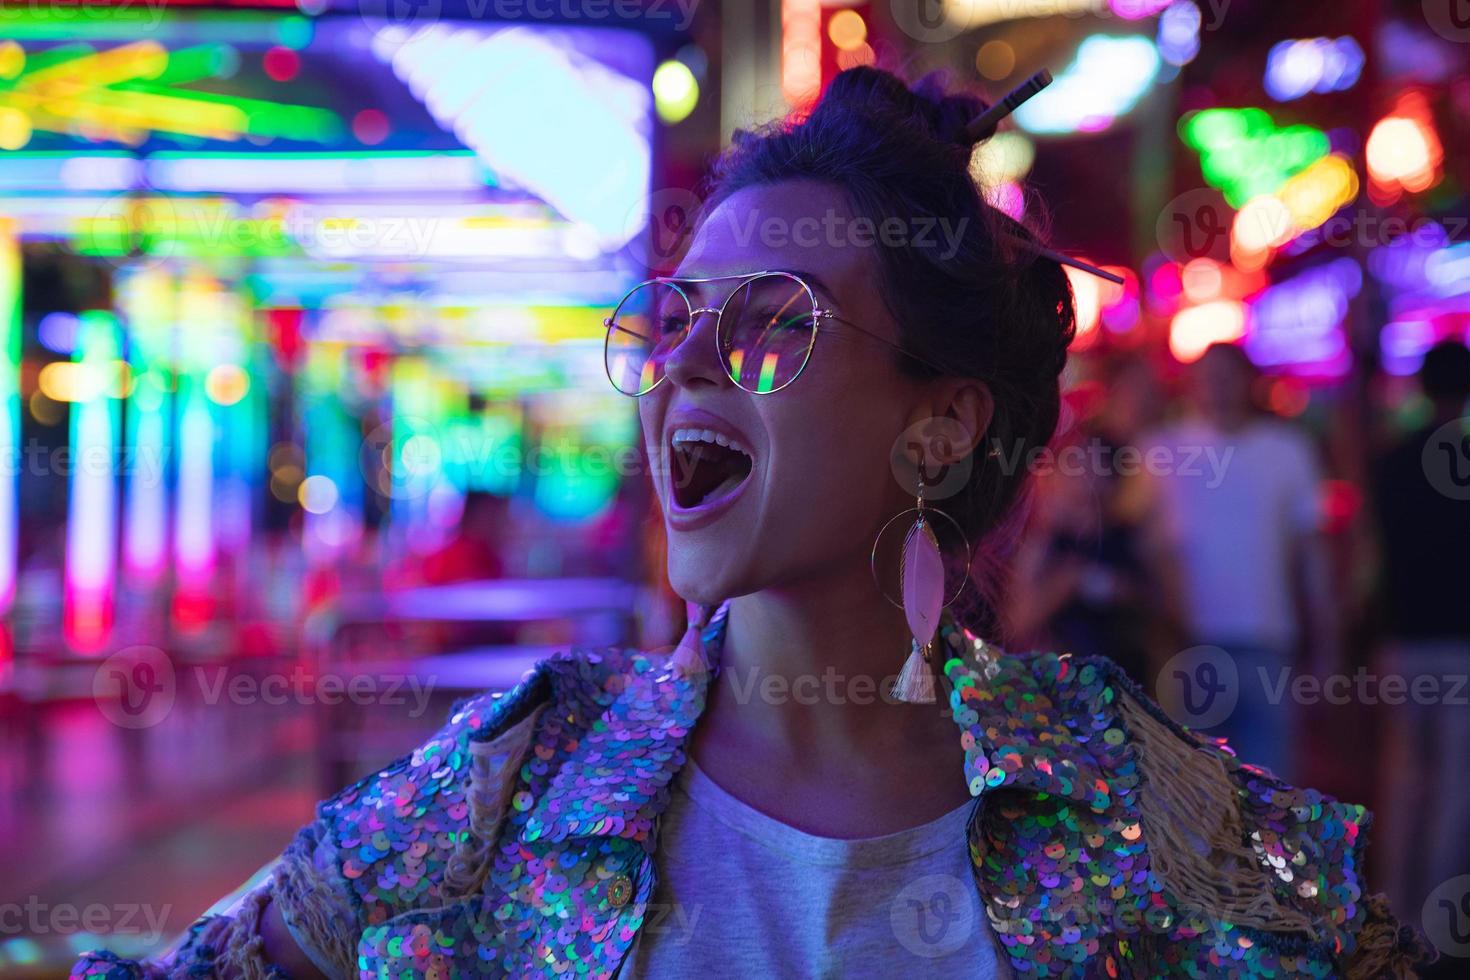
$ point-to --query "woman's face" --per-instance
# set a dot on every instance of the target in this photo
(820, 484)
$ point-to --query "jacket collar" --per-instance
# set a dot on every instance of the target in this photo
(634, 713)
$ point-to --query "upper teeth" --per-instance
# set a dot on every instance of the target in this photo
(707, 435)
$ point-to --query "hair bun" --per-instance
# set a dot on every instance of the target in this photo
(944, 115)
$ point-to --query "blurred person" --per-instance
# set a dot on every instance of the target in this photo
(1080, 582)
(1235, 535)
(1424, 531)
(759, 801)
(474, 551)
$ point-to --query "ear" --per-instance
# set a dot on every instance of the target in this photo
(952, 419)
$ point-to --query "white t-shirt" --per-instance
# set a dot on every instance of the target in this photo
(1231, 505)
(741, 894)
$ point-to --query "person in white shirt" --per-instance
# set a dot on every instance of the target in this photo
(1235, 531)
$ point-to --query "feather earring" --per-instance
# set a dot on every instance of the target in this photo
(921, 587)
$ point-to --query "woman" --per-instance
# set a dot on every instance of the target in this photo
(755, 804)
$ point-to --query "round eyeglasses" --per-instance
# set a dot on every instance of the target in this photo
(764, 331)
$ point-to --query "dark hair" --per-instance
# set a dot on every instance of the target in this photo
(991, 309)
(1445, 373)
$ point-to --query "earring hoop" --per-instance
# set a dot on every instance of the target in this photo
(913, 513)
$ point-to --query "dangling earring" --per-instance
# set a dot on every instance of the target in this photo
(921, 581)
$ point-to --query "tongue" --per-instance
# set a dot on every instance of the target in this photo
(705, 470)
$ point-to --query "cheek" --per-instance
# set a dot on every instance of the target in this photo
(831, 453)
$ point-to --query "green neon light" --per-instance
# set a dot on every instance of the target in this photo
(129, 23)
(1245, 154)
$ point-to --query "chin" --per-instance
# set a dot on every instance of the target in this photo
(696, 580)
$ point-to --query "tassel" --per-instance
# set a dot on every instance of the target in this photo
(915, 684)
(689, 659)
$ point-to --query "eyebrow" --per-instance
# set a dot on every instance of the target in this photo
(810, 278)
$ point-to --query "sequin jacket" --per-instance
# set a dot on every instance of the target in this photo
(519, 841)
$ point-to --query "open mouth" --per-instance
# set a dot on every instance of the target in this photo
(708, 466)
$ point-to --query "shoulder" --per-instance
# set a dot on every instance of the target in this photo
(1219, 851)
(397, 834)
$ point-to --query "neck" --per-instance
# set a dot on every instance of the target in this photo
(806, 669)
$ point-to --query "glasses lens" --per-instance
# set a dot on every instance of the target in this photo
(646, 327)
(766, 333)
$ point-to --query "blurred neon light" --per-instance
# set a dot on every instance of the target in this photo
(1403, 151)
(530, 111)
(91, 529)
(146, 299)
(124, 22)
(1318, 64)
(1007, 196)
(1297, 323)
(801, 50)
(57, 171)
(305, 173)
(126, 93)
(1179, 27)
(57, 332)
(1137, 9)
(1105, 80)
(1120, 306)
(1244, 154)
(675, 91)
(1305, 201)
(1197, 327)
(1087, 300)
(10, 348)
(1402, 343)
(970, 14)
(1006, 156)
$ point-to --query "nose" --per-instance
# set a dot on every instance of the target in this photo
(696, 361)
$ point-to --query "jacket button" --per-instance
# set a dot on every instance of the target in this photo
(619, 891)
